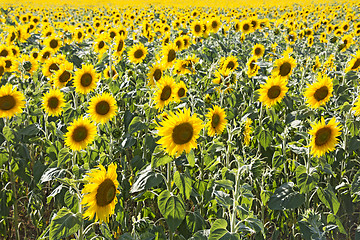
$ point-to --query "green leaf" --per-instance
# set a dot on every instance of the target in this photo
(104, 228)
(265, 138)
(146, 179)
(30, 130)
(71, 201)
(157, 161)
(355, 187)
(218, 231)
(64, 156)
(331, 218)
(195, 222)
(172, 208)
(64, 224)
(285, 197)
(191, 158)
(183, 182)
(328, 197)
(8, 134)
(306, 182)
(136, 125)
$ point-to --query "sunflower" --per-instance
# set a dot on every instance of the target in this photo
(25, 64)
(165, 93)
(356, 108)
(247, 131)
(319, 92)
(61, 77)
(137, 53)
(85, 79)
(217, 121)
(231, 63)
(197, 28)
(155, 74)
(119, 45)
(323, 138)
(253, 68)
(354, 63)
(53, 43)
(81, 132)
(2, 67)
(187, 41)
(100, 192)
(102, 108)
(273, 91)
(291, 37)
(9, 62)
(100, 44)
(35, 53)
(5, 51)
(169, 55)
(284, 67)
(11, 101)
(215, 24)
(45, 54)
(258, 50)
(179, 132)
(180, 91)
(53, 102)
(111, 74)
(246, 27)
(51, 66)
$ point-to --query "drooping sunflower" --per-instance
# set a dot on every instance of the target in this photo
(253, 68)
(247, 131)
(155, 74)
(273, 91)
(11, 101)
(323, 138)
(85, 79)
(319, 93)
(102, 108)
(258, 50)
(99, 193)
(169, 55)
(217, 121)
(165, 93)
(53, 102)
(180, 91)
(284, 67)
(81, 133)
(356, 108)
(137, 53)
(61, 77)
(354, 63)
(179, 132)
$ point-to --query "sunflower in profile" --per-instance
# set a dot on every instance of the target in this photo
(217, 121)
(169, 55)
(180, 91)
(258, 50)
(119, 46)
(273, 91)
(155, 74)
(284, 67)
(53, 102)
(253, 68)
(110, 74)
(319, 93)
(179, 132)
(354, 63)
(99, 193)
(356, 108)
(179, 43)
(45, 54)
(323, 138)
(137, 53)
(81, 133)
(247, 131)
(25, 64)
(102, 108)
(165, 93)
(85, 79)
(11, 101)
(2, 67)
(61, 77)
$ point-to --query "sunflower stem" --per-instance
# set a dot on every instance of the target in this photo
(169, 175)
(13, 188)
(260, 124)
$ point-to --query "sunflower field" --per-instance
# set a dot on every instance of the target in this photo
(180, 120)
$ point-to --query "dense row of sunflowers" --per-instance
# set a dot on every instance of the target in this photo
(130, 84)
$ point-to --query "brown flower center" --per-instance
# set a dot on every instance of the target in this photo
(257, 51)
(197, 28)
(80, 133)
(182, 133)
(274, 92)
(322, 136)
(138, 53)
(321, 93)
(171, 55)
(64, 77)
(165, 94)
(181, 92)
(157, 74)
(356, 64)
(106, 193)
(86, 80)
(53, 102)
(54, 43)
(7, 102)
(215, 120)
(120, 46)
(285, 69)
(230, 65)
(102, 108)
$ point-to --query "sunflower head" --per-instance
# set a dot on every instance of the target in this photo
(99, 193)
(179, 132)
(284, 67)
(169, 55)
(258, 50)
(180, 91)
(165, 93)
(273, 91)
(216, 121)
(319, 92)
(324, 136)
(102, 108)
(85, 79)
(11, 101)
(53, 102)
(81, 133)
(137, 53)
